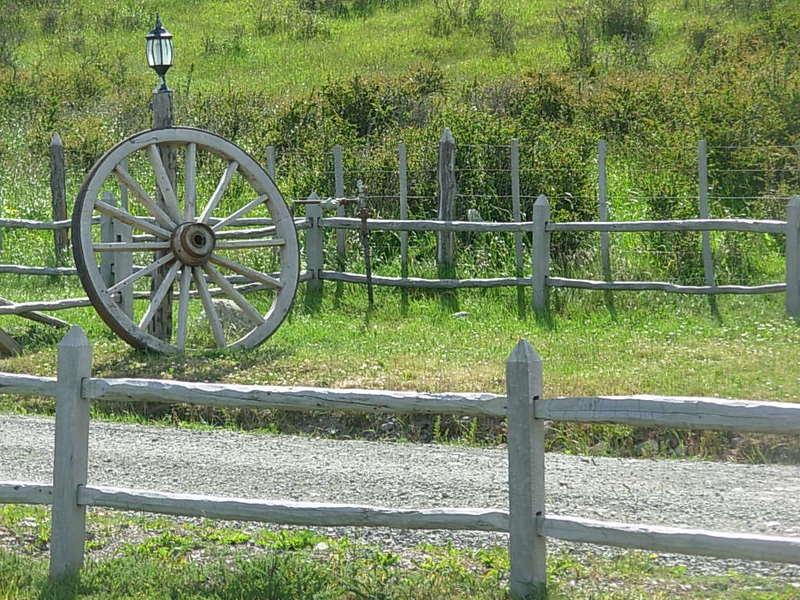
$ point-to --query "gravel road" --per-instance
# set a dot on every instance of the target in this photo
(733, 497)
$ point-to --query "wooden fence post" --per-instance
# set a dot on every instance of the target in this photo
(445, 252)
(161, 325)
(793, 258)
(338, 174)
(516, 209)
(527, 549)
(107, 235)
(58, 196)
(403, 175)
(71, 454)
(116, 266)
(314, 246)
(124, 260)
(705, 213)
(123, 266)
(602, 199)
(541, 255)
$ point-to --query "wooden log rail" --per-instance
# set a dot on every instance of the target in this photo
(418, 282)
(525, 520)
(25, 308)
(741, 225)
(541, 228)
(636, 286)
(300, 222)
(292, 398)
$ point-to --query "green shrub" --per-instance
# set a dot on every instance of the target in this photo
(502, 32)
(576, 25)
(12, 33)
(626, 19)
(451, 15)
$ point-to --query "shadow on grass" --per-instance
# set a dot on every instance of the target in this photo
(202, 366)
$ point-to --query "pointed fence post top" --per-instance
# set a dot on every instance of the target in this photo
(523, 354)
(75, 338)
(542, 201)
(447, 137)
(56, 140)
(794, 202)
(313, 196)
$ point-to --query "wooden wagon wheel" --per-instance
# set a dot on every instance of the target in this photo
(221, 228)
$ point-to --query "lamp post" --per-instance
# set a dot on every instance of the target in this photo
(159, 50)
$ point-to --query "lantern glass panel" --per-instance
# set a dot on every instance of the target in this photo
(166, 51)
(155, 56)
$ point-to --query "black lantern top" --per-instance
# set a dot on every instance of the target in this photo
(159, 51)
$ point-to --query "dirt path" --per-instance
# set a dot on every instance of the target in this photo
(734, 497)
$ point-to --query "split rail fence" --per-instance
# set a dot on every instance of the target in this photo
(539, 228)
(525, 406)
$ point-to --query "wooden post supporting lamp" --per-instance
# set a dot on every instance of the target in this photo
(159, 51)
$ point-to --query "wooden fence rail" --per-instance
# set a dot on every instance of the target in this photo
(524, 404)
(539, 228)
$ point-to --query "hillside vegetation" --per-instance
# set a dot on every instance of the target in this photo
(651, 76)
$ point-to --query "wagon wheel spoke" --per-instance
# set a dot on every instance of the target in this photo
(247, 272)
(158, 297)
(183, 307)
(125, 178)
(164, 260)
(126, 217)
(219, 192)
(208, 307)
(164, 184)
(243, 234)
(227, 287)
(234, 216)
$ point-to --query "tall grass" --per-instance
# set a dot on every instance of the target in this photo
(328, 92)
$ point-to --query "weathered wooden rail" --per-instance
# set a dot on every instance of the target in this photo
(540, 229)
(539, 280)
(525, 405)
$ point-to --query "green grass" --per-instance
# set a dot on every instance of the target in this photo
(143, 557)
(654, 345)
(220, 44)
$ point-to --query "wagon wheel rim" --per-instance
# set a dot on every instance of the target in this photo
(200, 242)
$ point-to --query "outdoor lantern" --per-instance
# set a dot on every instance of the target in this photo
(159, 51)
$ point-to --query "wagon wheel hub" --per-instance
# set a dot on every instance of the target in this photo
(193, 243)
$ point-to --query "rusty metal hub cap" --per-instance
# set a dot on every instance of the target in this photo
(193, 243)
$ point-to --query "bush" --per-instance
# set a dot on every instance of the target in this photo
(577, 28)
(502, 32)
(451, 15)
(747, 7)
(12, 33)
(291, 20)
(626, 19)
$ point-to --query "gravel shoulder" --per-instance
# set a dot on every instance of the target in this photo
(722, 496)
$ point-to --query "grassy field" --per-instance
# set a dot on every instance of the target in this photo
(144, 557)
(650, 76)
(661, 345)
